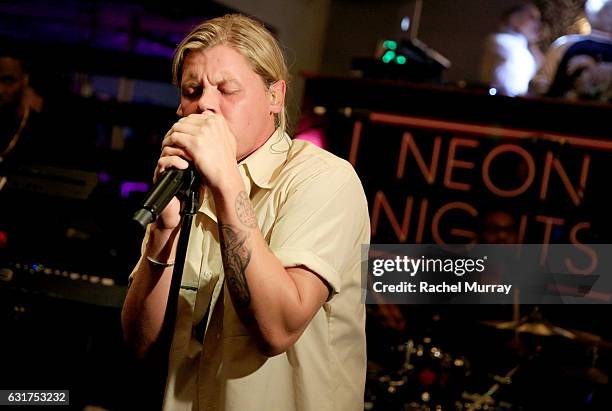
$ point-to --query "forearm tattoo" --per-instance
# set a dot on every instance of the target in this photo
(244, 210)
(235, 250)
(236, 255)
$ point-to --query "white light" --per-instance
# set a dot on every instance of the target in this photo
(405, 24)
(492, 91)
(593, 6)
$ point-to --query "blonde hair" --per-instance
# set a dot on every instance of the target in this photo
(245, 35)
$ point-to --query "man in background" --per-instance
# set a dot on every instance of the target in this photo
(580, 66)
(511, 56)
(19, 105)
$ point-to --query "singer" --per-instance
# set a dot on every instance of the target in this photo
(270, 314)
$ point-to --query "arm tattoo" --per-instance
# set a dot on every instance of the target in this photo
(244, 210)
(236, 256)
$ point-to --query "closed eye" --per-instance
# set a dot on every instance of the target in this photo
(191, 92)
(228, 91)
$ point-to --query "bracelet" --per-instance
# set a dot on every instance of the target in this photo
(156, 263)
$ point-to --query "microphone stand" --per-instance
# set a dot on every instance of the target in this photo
(164, 343)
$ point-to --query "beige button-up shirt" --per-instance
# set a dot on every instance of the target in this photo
(312, 211)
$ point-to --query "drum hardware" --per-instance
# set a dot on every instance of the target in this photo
(485, 401)
(430, 379)
(553, 363)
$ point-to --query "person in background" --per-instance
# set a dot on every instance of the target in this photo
(498, 227)
(580, 66)
(20, 107)
(511, 56)
(269, 315)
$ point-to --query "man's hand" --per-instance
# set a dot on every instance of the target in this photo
(204, 139)
(207, 142)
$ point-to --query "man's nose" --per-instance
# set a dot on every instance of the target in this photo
(209, 101)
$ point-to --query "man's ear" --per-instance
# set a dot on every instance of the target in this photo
(277, 96)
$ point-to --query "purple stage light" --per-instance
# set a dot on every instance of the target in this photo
(128, 187)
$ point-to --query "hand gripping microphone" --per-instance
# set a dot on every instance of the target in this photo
(160, 195)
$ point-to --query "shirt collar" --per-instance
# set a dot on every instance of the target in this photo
(262, 165)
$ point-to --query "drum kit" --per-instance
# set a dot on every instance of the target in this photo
(551, 368)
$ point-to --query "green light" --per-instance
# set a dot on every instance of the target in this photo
(390, 44)
(388, 56)
(400, 60)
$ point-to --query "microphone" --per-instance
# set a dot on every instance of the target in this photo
(160, 195)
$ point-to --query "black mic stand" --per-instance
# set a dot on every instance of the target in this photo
(190, 206)
(164, 343)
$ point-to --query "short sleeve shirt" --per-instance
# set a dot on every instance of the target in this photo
(312, 211)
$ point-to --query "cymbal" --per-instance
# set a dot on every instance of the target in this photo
(547, 329)
(500, 325)
(592, 374)
(590, 339)
(541, 328)
(544, 329)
